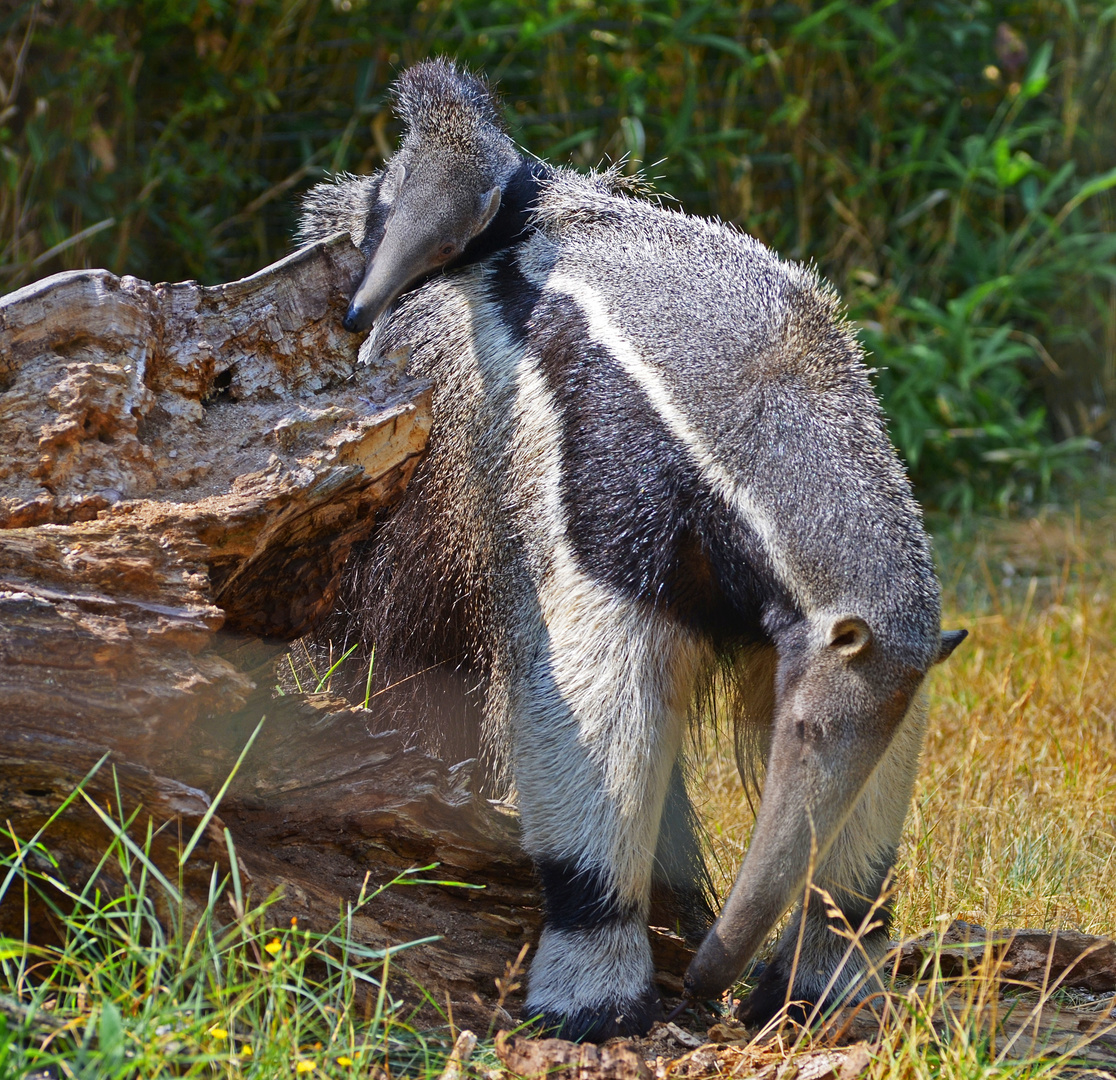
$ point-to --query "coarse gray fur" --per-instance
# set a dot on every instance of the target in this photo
(656, 457)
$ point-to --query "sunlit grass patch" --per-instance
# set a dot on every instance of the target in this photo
(1014, 819)
(142, 985)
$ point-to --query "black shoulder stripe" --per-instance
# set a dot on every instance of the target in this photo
(513, 295)
(639, 514)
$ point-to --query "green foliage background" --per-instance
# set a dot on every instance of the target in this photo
(950, 165)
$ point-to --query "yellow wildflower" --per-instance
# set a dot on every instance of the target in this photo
(218, 1032)
(342, 1060)
(273, 946)
(304, 1066)
(246, 1050)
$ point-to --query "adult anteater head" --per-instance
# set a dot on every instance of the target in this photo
(840, 700)
(444, 186)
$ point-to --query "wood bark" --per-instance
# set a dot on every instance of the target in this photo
(183, 472)
(1039, 959)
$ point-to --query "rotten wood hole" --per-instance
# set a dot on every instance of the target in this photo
(183, 472)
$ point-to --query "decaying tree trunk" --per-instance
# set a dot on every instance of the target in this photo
(183, 472)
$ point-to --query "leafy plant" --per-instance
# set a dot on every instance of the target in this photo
(917, 153)
(142, 985)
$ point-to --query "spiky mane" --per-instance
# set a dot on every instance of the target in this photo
(438, 102)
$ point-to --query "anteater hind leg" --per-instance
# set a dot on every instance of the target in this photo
(681, 888)
(598, 721)
(826, 966)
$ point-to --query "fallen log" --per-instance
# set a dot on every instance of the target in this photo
(183, 472)
(1037, 959)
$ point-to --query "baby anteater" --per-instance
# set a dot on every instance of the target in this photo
(456, 191)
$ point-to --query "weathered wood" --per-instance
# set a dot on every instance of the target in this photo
(38, 771)
(1042, 959)
(1020, 1026)
(174, 484)
(179, 461)
(184, 471)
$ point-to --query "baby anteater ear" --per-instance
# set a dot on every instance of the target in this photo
(490, 203)
(950, 640)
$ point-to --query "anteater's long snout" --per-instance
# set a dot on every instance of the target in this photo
(401, 260)
(828, 735)
(357, 320)
(372, 298)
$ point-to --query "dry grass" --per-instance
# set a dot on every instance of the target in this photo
(1014, 820)
(1014, 816)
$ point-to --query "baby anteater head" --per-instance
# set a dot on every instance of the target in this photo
(442, 189)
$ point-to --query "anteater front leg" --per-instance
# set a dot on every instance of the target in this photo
(599, 714)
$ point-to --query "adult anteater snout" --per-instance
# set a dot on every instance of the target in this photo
(383, 282)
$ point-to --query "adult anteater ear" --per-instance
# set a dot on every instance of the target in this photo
(950, 640)
(849, 635)
(490, 203)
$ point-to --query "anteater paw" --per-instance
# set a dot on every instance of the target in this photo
(598, 1023)
(593, 983)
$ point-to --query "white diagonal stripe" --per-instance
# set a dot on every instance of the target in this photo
(648, 379)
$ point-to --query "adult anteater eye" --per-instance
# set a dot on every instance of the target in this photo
(446, 250)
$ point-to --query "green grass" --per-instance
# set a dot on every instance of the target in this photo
(143, 984)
